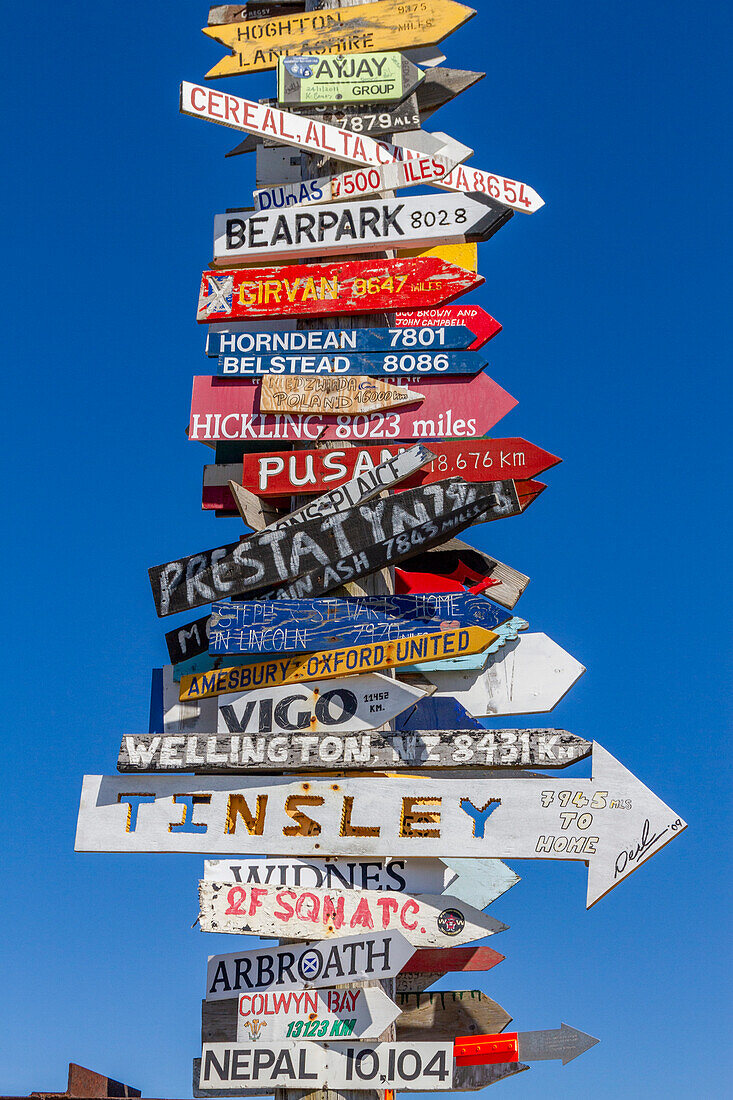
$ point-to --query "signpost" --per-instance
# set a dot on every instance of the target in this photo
(282, 473)
(332, 395)
(364, 78)
(229, 409)
(343, 960)
(529, 676)
(419, 221)
(612, 821)
(425, 920)
(298, 626)
(329, 340)
(410, 365)
(258, 44)
(228, 754)
(318, 290)
(563, 1043)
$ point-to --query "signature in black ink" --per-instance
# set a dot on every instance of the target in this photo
(639, 850)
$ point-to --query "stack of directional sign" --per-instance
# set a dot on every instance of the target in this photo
(320, 725)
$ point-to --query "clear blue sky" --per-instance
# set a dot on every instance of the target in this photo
(614, 300)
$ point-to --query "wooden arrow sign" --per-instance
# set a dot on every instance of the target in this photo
(563, 1043)
(329, 341)
(529, 676)
(421, 221)
(415, 876)
(473, 317)
(364, 78)
(311, 135)
(406, 365)
(361, 659)
(458, 564)
(612, 821)
(300, 1014)
(318, 290)
(258, 44)
(338, 1066)
(346, 959)
(436, 1017)
(425, 920)
(300, 626)
(230, 409)
(517, 196)
(364, 536)
(354, 184)
(332, 395)
(229, 754)
(428, 965)
(350, 706)
(441, 85)
(385, 119)
(282, 473)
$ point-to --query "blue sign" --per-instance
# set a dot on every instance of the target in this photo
(300, 626)
(305, 341)
(396, 364)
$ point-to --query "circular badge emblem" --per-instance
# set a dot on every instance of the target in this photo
(310, 964)
(451, 922)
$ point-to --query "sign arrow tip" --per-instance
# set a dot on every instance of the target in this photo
(574, 1042)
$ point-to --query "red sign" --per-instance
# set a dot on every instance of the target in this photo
(228, 409)
(486, 1050)
(474, 317)
(310, 290)
(283, 473)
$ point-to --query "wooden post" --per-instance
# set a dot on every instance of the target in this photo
(376, 585)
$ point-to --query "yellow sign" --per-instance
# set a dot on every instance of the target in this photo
(327, 664)
(256, 44)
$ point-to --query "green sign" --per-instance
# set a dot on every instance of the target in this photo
(350, 78)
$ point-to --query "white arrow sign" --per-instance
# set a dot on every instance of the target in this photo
(314, 1014)
(527, 676)
(420, 221)
(373, 955)
(425, 920)
(612, 821)
(359, 703)
(353, 185)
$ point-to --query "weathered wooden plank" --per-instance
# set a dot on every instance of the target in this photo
(281, 473)
(425, 920)
(345, 959)
(529, 676)
(355, 1066)
(346, 228)
(363, 78)
(299, 626)
(353, 705)
(615, 824)
(209, 754)
(229, 408)
(331, 366)
(353, 184)
(443, 1015)
(513, 193)
(333, 395)
(441, 85)
(465, 1079)
(365, 536)
(329, 340)
(257, 44)
(353, 287)
(382, 122)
